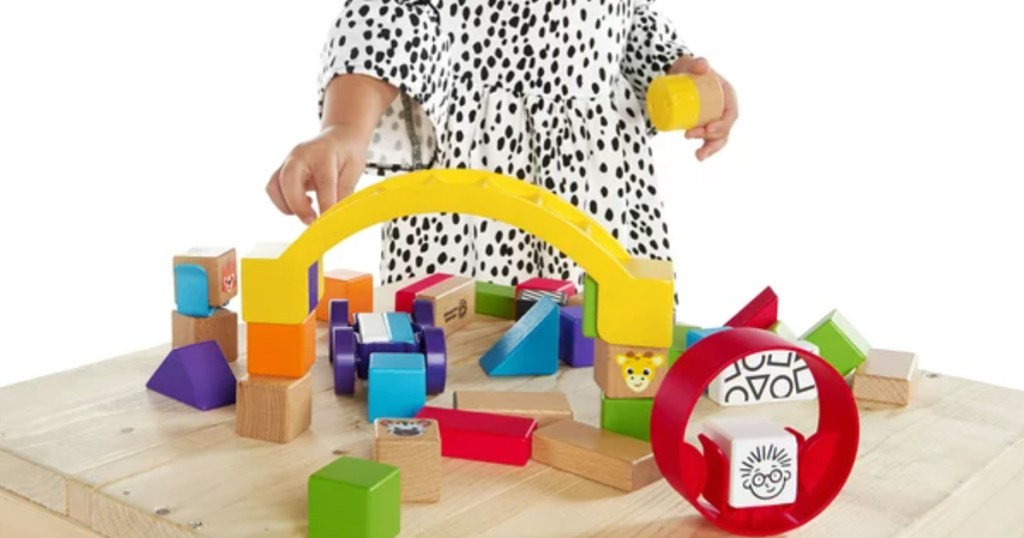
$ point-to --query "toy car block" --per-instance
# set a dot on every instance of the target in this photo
(602, 456)
(355, 287)
(434, 347)
(355, 498)
(525, 300)
(679, 338)
(772, 376)
(406, 295)
(760, 313)
(275, 409)
(547, 284)
(682, 102)
(696, 335)
(530, 347)
(780, 328)
(221, 326)
(627, 416)
(620, 318)
(343, 359)
(277, 287)
(887, 377)
(414, 447)
(762, 460)
(574, 349)
(472, 435)
(629, 371)
(196, 375)
(382, 332)
(281, 350)
(221, 274)
(839, 342)
(544, 407)
(454, 302)
(397, 385)
(495, 300)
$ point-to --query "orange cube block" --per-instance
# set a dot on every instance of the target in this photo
(344, 284)
(281, 350)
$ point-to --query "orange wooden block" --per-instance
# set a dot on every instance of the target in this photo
(281, 350)
(344, 284)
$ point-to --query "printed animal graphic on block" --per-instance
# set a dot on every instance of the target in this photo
(627, 371)
(773, 376)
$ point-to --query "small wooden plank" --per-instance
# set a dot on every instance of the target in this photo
(454, 302)
(544, 407)
(609, 458)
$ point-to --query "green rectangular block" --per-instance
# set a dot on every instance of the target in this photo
(679, 333)
(589, 307)
(354, 498)
(495, 300)
(839, 342)
(627, 416)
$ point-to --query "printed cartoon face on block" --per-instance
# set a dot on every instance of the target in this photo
(639, 370)
(766, 471)
(221, 267)
(628, 371)
(405, 428)
(762, 460)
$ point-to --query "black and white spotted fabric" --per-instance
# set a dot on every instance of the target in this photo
(551, 92)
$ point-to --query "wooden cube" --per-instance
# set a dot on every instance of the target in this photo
(221, 327)
(762, 460)
(354, 498)
(609, 458)
(544, 407)
(839, 342)
(221, 269)
(281, 350)
(273, 408)
(628, 371)
(887, 377)
(454, 302)
(354, 286)
(414, 446)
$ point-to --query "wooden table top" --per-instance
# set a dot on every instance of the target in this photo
(92, 446)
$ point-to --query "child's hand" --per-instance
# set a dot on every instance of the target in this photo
(716, 133)
(329, 165)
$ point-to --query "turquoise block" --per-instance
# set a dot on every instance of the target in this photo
(397, 385)
(192, 291)
(696, 335)
(530, 347)
(400, 327)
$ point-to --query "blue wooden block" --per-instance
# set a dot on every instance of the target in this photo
(192, 291)
(397, 385)
(696, 335)
(530, 347)
(400, 327)
(575, 349)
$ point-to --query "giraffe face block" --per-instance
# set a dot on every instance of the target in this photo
(628, 371)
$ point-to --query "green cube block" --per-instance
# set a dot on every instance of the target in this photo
(839, 342)
(495, 300)
(627, 416)
(679, 333)
(589, 307)
(354, 498)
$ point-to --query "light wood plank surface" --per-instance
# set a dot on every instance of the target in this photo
(93, 446)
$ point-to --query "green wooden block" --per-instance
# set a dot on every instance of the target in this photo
(589, 307)
(838, 342)
(679, 333)
(354, 498)
(495, 300)
(627, 416)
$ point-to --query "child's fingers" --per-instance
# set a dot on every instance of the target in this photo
(293, 184)
(325, 178)
(348, 178)
(276, 196)
(691, 65)
(696, 132)
(710, 148)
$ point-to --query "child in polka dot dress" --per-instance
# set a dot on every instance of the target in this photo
(549, 91)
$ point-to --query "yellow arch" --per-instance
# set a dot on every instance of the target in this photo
(635, 301)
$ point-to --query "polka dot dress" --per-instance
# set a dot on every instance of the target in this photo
(548, 91)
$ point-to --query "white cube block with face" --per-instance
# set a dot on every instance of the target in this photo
(762, 460)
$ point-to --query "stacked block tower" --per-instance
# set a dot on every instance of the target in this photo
(205, 280)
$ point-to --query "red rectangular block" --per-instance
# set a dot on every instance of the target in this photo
(760, 313)
(405, 296)
(547, 284)
(472, 435)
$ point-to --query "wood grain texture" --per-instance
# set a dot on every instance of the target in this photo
(454, 302)
(609, 458)
(274, 408)
(544, 407)
(222, 326)
(949, 464)
(22, 519)
(418, 457)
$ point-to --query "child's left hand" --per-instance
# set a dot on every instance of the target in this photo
(716, 133)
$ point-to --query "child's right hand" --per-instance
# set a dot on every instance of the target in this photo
(329, 165)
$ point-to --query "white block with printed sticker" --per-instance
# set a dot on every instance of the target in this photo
(762, 460)
(771, 376)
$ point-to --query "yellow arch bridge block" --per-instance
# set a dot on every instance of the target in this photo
(635, 296)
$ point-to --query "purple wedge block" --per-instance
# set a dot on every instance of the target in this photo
(343, 342)
(196, 375)
(436, 351)
(574, 349)
(423, 313)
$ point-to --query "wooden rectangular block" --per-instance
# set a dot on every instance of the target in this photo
(471, 435)
(762, 459)
(495, 300)
(627, 416)
(221, 269)
(887, 377)
(354, 286)
(281, 350)
(609, 458)
(544, 407)
(454, 302)
(221, 327)
(759, 313)
(414, 446)
(406, 295)
(628, 371)
(273, 408)
(547, 284)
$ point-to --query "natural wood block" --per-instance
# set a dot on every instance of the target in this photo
(628, 371)
(354, 286)
(609, 458)
(887, 377)
(222, 327)
(221, 269)
(414, 446)
(274, 408)
(454, 302)
(544, 407)
(281, 350)
(575, 300)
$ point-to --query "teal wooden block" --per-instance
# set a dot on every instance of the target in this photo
(696, 335)
(191, 291)
(354, 498)
(627, 416)
(530, 347)
(397, 385)
(839, 342)
(400, 327)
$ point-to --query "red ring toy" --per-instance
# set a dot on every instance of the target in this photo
(825, 459)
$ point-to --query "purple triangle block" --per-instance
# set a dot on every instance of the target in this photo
(196, 375)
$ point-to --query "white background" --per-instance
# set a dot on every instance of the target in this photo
(875, 168)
